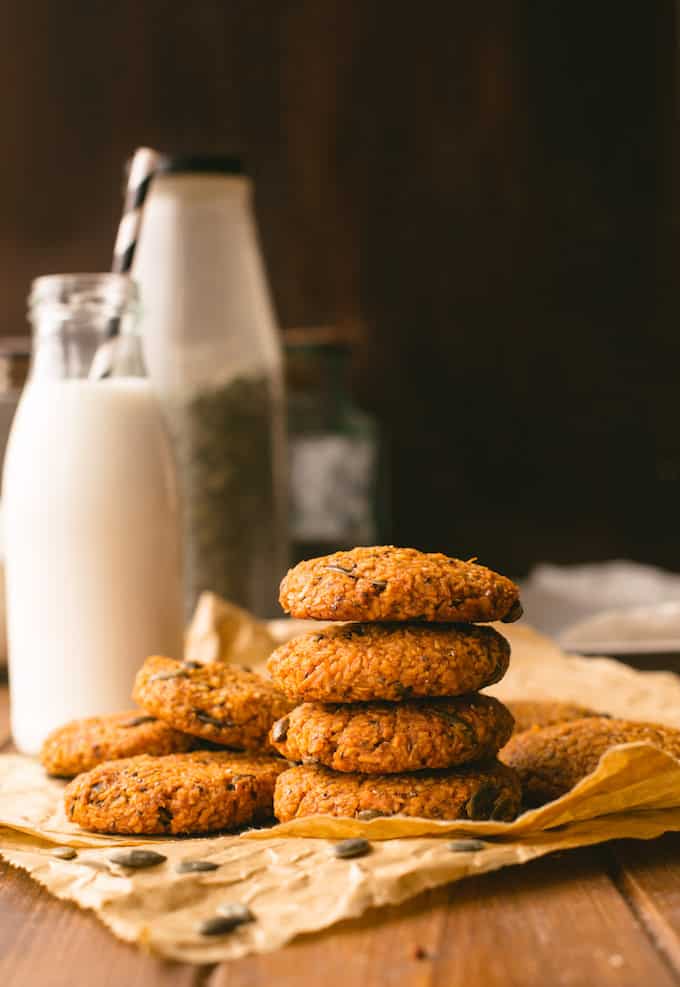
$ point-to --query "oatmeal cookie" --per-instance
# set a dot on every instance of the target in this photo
(480, 791)
(218, 702)
(82, 744)
(197, 792)
(387, 738)
(388, 583)
(552, 760)
(361, 662)
(529, 713)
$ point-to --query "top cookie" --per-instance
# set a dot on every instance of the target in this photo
(387, 583)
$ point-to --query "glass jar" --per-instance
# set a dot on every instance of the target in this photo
(336, 490)
(214, 355)
(91, 514)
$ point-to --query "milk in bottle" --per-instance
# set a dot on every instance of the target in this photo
(91, 516)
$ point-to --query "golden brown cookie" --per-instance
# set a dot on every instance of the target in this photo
(552, 760)
(387, 738)
(388, 583)
(529, 713)
(218, 702)
(361, 662)
(479, 791)
(82, 744)
(181, 793)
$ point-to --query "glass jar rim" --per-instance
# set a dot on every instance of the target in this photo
(66, 295)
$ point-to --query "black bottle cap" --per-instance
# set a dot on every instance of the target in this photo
(216, 164)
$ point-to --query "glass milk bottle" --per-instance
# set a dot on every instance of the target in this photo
(214, 355)
(91, 514)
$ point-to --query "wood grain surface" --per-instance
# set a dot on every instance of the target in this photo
(605, 916)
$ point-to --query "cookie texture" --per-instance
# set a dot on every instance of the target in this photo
(198, 792)
(529, 713)
(387, 738)
(388, 583)
(481, 791)
(361, 662)
(82, 744)
(551, 760)
(218, 702)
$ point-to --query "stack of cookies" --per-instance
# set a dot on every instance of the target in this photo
(390, 720)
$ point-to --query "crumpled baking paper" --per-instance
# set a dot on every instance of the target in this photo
(221, 631)
(287, 874)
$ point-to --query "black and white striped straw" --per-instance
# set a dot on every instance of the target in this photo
(142, 168)
(140, 173)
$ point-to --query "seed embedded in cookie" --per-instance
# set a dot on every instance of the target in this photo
(362, 662)
(478, 791)
(198, 792)
(388, 738)
(551, 760)
(218, 702)
(83, 744)
(388, 583)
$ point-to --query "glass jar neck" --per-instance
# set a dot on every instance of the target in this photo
(74, 316)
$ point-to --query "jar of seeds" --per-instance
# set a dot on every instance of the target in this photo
(213, 352)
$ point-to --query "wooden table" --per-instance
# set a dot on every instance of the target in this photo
(599, 917)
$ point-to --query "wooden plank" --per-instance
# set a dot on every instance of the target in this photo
(47, 941)
(558, 920)
(648, 875)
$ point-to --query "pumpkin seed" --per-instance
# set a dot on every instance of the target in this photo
(513, 614)
(280, 730)
(137, 859)
(367, 814)
(481, 804)
(195, 866)
(342, 570)
(228, 917)
(64, 853)
(346, 849)
(181, 673)
(138, 720)
(466, 846)
(212, 721)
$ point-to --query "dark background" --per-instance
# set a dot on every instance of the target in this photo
(485, 192)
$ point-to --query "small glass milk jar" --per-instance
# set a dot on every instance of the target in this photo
(91, 513)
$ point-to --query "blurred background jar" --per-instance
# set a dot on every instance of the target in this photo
(214, 355)
(337, 463)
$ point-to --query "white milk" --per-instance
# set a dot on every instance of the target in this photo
(91, 525)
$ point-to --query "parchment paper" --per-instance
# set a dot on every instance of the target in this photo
(288, 875)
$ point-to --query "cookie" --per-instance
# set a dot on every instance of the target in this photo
(551, 760)
(387, 738)
(222, 703)
(529, 713)
(197, 792)
(82, 744)
(481, 791)
(388, 583)
(362, 662)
